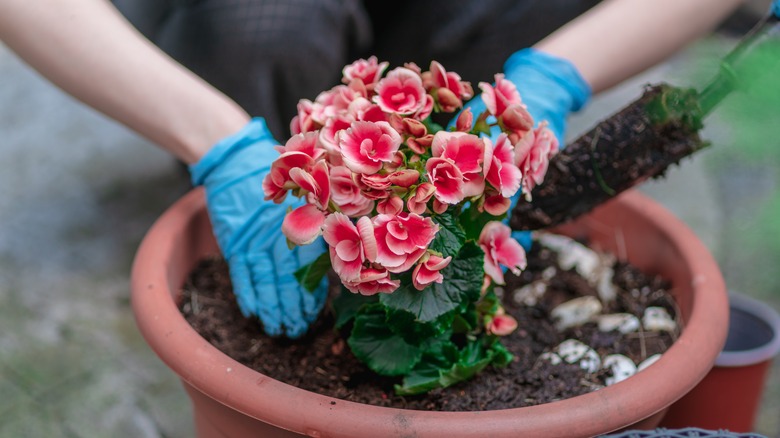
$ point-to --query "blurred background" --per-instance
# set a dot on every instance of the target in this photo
(77, 193)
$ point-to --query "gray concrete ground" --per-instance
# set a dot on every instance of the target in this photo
(77, 193)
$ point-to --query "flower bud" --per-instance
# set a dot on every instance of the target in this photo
(414, 127)
(465, 121)
(517, 118)
(448, 101)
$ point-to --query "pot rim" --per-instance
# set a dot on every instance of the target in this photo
(197, 362)
(765, 352)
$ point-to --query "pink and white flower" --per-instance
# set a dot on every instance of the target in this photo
(350, 245)
(316, 183)
(304, 224)
(446, 178)
(372, 281)
(392, 205)
(418, 202)
(367, 70)
(401, 92)
(501, 250)
(402, 239)
(304, 121)
(278, 181)
(533, 154)
(346, 193)
(495, 204)
(451, 90)
(469, 153)
(504, 175)
(500, 96)
(365, 146)
(428, 271)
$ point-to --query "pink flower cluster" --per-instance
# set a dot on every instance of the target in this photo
(373, 175)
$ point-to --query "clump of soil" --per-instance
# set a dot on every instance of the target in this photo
(321, 362)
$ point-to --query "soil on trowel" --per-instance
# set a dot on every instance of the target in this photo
(321, 362)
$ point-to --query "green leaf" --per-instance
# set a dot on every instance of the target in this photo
(472, 221)
(501, 356)
(373, 343)
(310, 276)
(441, 367)
(405, 324)
(461, 285)
(432, 126)
(347, 304)
(451, 237)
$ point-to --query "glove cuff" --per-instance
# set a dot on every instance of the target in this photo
(559, 70)
(250, 134)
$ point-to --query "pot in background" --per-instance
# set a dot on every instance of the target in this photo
(232, 400)
(729, 396)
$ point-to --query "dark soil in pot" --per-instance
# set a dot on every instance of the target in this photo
(322, 363)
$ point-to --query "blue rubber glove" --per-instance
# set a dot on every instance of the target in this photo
(776, 8)
(248, 230)
(551, 88)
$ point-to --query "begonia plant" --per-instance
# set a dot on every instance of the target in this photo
(412, 214)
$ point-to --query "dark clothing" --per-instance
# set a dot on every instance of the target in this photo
(268, 54)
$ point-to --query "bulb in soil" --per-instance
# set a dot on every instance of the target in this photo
(621, 366)
(576, 312)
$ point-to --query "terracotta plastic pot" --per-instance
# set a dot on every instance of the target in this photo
(231, 400)
(729, 396)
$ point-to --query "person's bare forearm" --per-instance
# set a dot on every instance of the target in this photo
(89, 50)
(620, 38)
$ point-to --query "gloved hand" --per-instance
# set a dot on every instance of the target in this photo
(551, 88)
(776, 8)
(248, 230)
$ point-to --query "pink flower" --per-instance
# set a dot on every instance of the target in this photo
(532, 156)
(402, 239)
(501, 250)
(499, 97)
(372, 281)
(469, 153)
(495, 204)
(426, 110)
(346, 193)
(350, 245)
(304, 224)
(277, 182)
(418, 202)
(363, 110)
(316, 183)
(365, 146)
(429, 271)
(517, 120)
(504, 175)
(446, 178)
(450, 89)
(328, 134)
(401, 92)
(367, 70)
(501, 325)
(304, 122)
(304, 142)
(392, 205)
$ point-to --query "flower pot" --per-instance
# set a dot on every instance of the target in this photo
(729, 396)
(231, 400)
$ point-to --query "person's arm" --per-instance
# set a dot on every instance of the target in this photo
(620, 38)
(89, 50)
